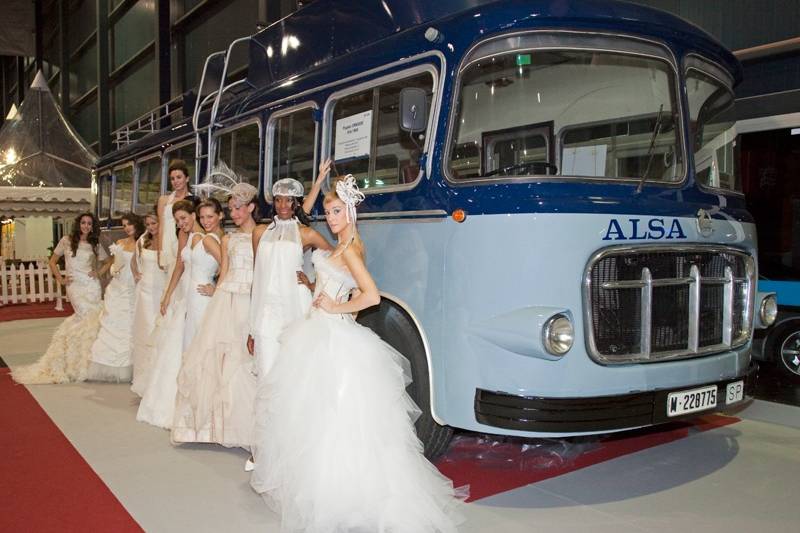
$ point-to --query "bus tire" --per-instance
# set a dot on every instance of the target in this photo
(780, 345)
(392, 324)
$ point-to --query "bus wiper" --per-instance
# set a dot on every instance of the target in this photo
(650, 151)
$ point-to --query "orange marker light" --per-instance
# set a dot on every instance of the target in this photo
(459, 215)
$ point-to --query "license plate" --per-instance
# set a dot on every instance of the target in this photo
(734, 392)
(691, 401)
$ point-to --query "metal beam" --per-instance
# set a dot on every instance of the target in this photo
(103, 96)
(163, 55)
(63, 44)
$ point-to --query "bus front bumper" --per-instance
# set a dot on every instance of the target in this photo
(603, 413)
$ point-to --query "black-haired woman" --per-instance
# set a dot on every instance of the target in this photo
(67, 357)
(110, 359)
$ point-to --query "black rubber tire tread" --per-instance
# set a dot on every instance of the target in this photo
(391, 323)
(774, 340)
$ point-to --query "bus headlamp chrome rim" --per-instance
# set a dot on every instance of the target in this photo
(558, 335)
(769, 310)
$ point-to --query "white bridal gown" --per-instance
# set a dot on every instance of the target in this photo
(342, 454)
(146, 309)
(67, 356)
(216, 384)
(111, 352)
(170, 339)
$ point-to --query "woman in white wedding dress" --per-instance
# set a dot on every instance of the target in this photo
(216, 384)
(202, 262)
(151, 280)
(67, 356)
(110, 358)
(158, 400)
(342, 453)
(280, 292)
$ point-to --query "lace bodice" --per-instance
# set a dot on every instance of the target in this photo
(200, 265)
(121, 269)
(239, 276)
(79, 266)
(334, 280)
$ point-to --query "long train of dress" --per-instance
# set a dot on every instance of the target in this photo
(341, 452)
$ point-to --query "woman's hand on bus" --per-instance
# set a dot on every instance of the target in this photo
(324, 169)
(206, 290)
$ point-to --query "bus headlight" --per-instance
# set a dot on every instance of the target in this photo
(769, 310)
(558, 334)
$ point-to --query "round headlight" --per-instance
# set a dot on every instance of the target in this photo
(558, 335)
(769, 310)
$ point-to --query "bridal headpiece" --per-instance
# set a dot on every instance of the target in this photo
(288, 187)
(347, 191)
(222, 179)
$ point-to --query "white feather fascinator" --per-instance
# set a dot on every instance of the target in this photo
(223, 180)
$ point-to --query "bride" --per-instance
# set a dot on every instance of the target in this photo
(342, 453)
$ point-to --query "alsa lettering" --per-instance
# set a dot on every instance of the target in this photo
(637, 229)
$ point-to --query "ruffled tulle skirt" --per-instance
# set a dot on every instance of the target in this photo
(216, 383)
(337, 450)
(67, 357)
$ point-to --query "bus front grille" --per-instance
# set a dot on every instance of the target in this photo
(656, 303)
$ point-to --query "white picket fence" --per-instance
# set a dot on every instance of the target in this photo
(29, 284)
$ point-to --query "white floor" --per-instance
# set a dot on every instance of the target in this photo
(742, 477)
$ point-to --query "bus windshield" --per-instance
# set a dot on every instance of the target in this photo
(571, 113)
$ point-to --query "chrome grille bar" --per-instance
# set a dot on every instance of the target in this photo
(656, 303)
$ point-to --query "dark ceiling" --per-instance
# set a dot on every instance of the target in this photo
(17, 28)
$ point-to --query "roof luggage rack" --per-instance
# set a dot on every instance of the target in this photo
(153, 120)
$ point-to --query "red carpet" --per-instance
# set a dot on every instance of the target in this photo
(45, 485)
(494, 465)
(36, 310)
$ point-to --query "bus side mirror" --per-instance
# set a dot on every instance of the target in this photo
(413, 109)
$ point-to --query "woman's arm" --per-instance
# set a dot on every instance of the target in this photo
(53, 265)
(162, 201)
(105, 265)
(258, 231)
(135, 265)
(177, 272)
(368, 294)
(313, 194)
(312, 239)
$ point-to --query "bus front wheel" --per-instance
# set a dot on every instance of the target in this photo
(784, 347)
(392, 324)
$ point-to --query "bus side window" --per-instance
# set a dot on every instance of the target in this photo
(123, 190)
(293, 136)
(367, 140)
(148, 184)
(104, 196)
(240, 149)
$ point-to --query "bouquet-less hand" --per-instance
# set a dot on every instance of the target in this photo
(93, 274)
(137, 276)
(302, 279)
(164, 304)
(324, 302)
(207, 289)
(251, 344)
(66, 280)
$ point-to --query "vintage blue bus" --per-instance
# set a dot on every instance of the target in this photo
(552, 209)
